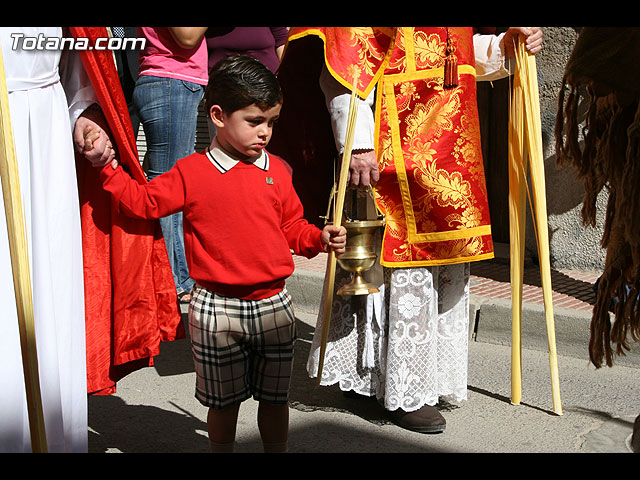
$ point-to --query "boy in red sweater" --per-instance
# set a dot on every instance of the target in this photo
(242, 219)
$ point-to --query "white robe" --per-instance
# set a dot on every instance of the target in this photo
(43, 142)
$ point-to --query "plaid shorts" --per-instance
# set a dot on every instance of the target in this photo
(241, 348)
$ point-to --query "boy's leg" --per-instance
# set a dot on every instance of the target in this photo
(272, 367)
(273, 423)
(220, 360)
(221, 424)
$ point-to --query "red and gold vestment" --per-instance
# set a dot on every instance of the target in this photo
(427, 137)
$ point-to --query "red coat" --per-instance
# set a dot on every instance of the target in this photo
(130, 297)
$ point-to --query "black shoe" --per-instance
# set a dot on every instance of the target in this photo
(425, 420)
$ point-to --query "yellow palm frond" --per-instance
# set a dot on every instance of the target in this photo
(525, 150)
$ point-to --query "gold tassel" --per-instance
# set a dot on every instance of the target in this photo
(450, 72)
(450, 66)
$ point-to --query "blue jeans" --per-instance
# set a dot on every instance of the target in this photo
(168, 110)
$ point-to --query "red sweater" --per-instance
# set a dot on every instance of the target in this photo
(239, 226)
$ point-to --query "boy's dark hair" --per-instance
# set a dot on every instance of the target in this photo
(238, 81)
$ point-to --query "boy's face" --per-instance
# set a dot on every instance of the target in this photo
(245, 133)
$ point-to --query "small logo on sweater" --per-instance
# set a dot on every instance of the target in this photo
(269, 181)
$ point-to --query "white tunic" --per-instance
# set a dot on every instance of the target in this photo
(43, 143)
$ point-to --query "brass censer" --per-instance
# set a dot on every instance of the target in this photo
(361, 249)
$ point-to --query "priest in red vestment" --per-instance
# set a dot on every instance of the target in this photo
(417, 143)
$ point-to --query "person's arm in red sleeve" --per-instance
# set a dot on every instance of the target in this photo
(162, 196)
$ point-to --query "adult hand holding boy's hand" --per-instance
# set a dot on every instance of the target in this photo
(97, 147)
(91, 138)
(334, 238)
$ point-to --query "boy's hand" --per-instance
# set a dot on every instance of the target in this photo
(334, 238)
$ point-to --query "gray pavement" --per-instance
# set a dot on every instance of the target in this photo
(154, 409)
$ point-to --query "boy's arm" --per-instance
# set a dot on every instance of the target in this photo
(303, 238)
(162, 196)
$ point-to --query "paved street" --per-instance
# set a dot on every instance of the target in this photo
(154, 410)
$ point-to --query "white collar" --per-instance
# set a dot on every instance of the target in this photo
(223, 162)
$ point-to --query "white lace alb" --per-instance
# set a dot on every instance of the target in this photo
(407, 345)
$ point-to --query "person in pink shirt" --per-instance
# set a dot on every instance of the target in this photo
(171, 81)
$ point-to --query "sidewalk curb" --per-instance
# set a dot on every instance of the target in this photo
(491, 321)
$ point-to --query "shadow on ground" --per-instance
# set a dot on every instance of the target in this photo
(151, 428)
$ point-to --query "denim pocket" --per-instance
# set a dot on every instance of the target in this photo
(194, 87)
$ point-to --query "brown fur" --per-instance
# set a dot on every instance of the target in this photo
(609, 157)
